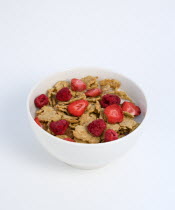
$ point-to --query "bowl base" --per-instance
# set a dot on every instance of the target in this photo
(87, 167)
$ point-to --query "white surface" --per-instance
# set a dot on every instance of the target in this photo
(87, 156)
(134, 37)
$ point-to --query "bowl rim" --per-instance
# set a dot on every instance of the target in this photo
(77, 143)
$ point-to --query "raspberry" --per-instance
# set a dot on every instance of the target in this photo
(64, 94)
(110, 135)
(96, 127)
(59, 127)
(109, 99)
(41, 101)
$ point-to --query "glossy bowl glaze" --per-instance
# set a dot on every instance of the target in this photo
(86, 156)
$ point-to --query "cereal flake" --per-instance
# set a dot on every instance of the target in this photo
(91, 82)
(110, 82)
(82, 134)
(48, 114)
(61, 84)
(87, 118)
(128, 122)
(123, 95)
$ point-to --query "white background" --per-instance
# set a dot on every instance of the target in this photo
(135, 38)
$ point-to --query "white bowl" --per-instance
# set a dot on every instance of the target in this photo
(86, 156)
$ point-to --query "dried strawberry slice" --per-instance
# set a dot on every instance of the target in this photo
(69, 139)
(93, 92)
(131, 108)
(37, 121)
(77, 108)
(113, 113)
(77, 85)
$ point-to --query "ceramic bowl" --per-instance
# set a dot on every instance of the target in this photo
(87, 156)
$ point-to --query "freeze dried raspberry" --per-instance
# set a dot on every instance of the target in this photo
(64, 94)
(59, 127)
(96, 127)
(41, 101)
(109, 99)
(110, 135)
(69, 139)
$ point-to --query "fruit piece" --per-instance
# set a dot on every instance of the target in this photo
(69, 139)
(93, 92)
(109, 99)
(110, 135)
(77, 85)
(37, 121)
(59, 127)
(41, 101)
(64, 94)
(131, 108)
(113, 113)
(96, 127)
(77, 108)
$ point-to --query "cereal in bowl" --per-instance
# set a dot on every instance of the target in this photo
(87, 110)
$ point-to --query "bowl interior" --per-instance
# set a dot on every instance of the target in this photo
(130, 87)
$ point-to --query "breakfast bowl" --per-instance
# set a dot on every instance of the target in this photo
(87, 156)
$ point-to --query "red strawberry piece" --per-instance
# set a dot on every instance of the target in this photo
(131, 108)
(96, 127)
(77, 108)
(64, 94)
(37, 121)
(77, 85)
(69, 139)
(110, 135)
(41, 101)
(59, 127)
(93, 92)
(113, 113)
(109, 99)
